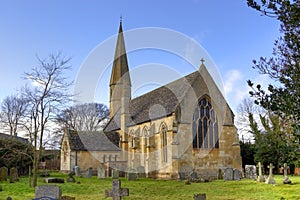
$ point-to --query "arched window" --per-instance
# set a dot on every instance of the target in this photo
(164, 143)
(205, 126)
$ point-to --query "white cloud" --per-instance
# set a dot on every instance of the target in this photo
(231, 79)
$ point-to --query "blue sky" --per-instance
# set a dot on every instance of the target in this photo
(231, 33)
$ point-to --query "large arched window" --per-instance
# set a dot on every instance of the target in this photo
(205, 126)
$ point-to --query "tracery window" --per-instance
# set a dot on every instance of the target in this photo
(205, 126)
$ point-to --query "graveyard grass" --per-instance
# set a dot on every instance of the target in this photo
(93, 188)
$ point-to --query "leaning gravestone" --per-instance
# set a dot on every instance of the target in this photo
(270, 179)
(71, 178)
(89, 173)
(115, 174)
(101, 172)
(13, 175)
(250, 171)
(228, 174)
(3, 173)
(47, 192)
(141, 172)
(237, 175)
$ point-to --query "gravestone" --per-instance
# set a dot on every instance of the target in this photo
(141, 172)
(237, 175)
(270, 179)
(13, 175)
(131, 176)
(54, 180)
(115, 174)
(117, 192)
(250, 171)
(51, 191)
(101, 172)
(71, 178)
(228, 174)
(193, 175)
(3, 173)
(89, 173)
(220, 174)
(260, 177)
(286, 179)
(77, 171)
(199, 196)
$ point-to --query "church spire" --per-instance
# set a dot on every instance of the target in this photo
(120, 64)
(120, 83)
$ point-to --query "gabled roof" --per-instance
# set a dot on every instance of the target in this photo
(167, 97)
(90, 141)
(4, 136)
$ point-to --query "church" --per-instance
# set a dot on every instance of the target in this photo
(182, 127)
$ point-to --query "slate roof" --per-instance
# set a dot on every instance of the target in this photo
(160, 102)
(6, 136)
(90, 141)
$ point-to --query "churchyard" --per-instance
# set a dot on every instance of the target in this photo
(93, 188)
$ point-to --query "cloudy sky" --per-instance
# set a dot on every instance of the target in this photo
(229, 33)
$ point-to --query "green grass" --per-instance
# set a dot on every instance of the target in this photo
(90, 189)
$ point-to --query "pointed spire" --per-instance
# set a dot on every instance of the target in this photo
(120, 64)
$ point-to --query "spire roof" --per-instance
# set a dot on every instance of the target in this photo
(120, 64)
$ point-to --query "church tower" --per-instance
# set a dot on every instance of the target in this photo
(120, 83)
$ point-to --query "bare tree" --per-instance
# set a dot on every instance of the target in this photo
(47, 96)
(84, 117)
(13, 111)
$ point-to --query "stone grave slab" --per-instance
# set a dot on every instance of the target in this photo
(141, 172)
(228, 174)
(199, 196)
(89, 173)
(250, 171)
(237, 175)
(49, 191)
(54, 180)
(115, 174)
(101, 172)
(3, 173)
(13, 175)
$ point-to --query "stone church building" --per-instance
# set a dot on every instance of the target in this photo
(178, 128)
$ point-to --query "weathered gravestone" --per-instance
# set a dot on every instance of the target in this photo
(13, 175)
(260, 177)
(47, 192)
(3, 173)
(270, 179)
(286, 179)
(228, 174)
(250, 171)
(117, 192)
(54, 180)
(89, 173)
(193, 175)
(131, 176)
(115, 174)
(77, 171)
(237, 175)
(71, 178)
(141, 172)
(101, 172)
(199, 196)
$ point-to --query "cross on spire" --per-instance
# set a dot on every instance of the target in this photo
(121, 19)
(202, 61)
